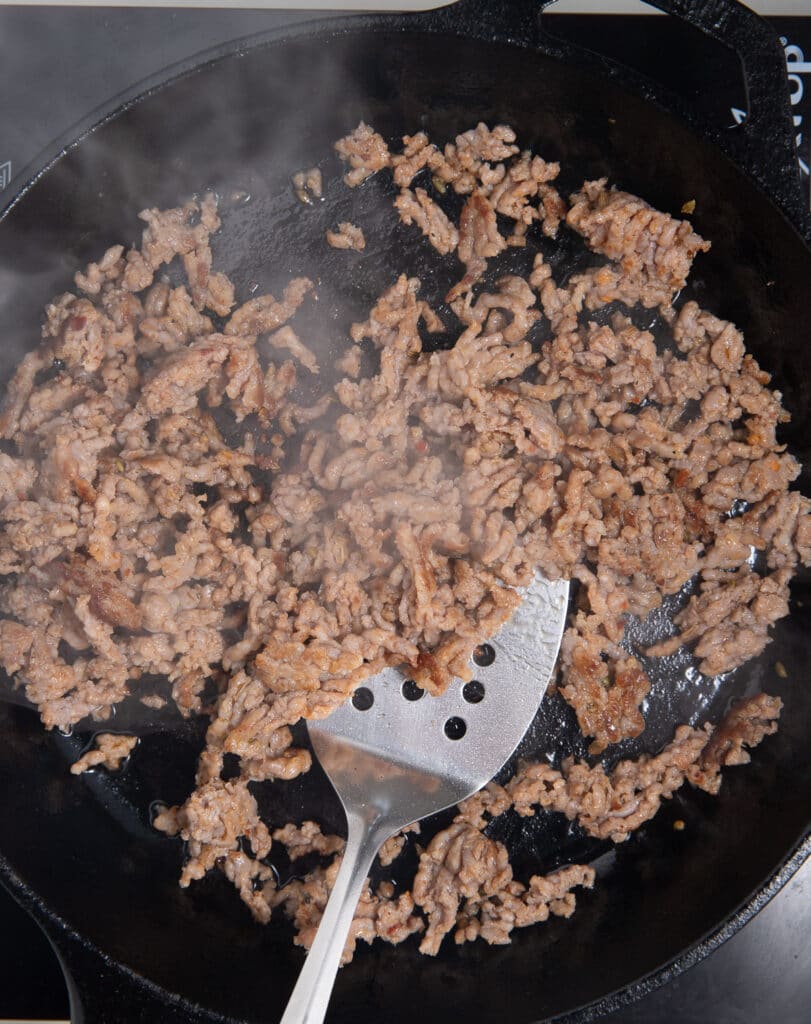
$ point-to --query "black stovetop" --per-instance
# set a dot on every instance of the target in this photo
(59, 66)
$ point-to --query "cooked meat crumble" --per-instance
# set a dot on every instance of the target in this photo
(308, 185)
(109, 751)
(366, 153)
(417, 207)
(348, 236)
(391, 519)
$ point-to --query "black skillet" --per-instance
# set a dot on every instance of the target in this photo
(80, 854)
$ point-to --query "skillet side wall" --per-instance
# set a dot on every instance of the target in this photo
(245, 123)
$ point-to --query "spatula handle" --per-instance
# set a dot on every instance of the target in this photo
(310, 998)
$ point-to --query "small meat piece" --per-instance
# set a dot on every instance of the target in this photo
(510, 310)
(254, 881)
(479, 240)
(525, 180)
(478, 231)
(366, 153)
(606, 694)
(483, 143)
(729, 618)
(19, 391)
(614, 805)
(517, 906)
(153, 701)
(306, 839)
(308, 185)
(264, 313)
(15, 643)
(350, 362)
(348, 236)
(601, 285)
(178, 382)
(212, 822)
(745, 725)
(417, 208)
(474, 158)
(182, 231)
(108, 599)
(394, 845)
(109, 268)
(208, 291)
(417, 153)
(286, 338)
(17, 477)
(624, 228)
(110, 750)
(459, 863)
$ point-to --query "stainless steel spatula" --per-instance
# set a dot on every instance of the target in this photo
(395, 755)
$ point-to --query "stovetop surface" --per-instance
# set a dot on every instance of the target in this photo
(59, 65)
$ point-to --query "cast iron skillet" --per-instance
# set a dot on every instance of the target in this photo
(80, 854)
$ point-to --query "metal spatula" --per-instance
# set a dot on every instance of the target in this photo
(395, 755)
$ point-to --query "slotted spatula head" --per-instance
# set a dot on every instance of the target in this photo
(395, 755)
(401, 754)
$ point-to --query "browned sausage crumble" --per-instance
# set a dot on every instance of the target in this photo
(347, 236)
(109, 750)
(390, 520)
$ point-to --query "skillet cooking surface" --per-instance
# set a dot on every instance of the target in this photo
(242, 125)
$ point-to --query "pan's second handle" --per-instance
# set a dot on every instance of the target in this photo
(769, 149)
(103, 992)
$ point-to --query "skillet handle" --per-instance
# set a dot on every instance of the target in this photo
(100, 991)
(769, 149)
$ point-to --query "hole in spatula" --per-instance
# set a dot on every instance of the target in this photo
(473, 692)
(484, 655)
(411, 691)
(455, 728)
(363, 698)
